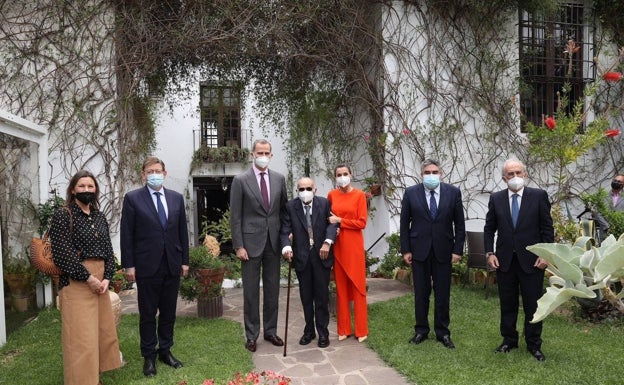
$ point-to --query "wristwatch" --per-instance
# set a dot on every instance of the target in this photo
(487, 255)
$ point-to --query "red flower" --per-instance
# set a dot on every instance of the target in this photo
(612, 76)
(406, 131)
(612, 133)
(550, 123)
(367, 137)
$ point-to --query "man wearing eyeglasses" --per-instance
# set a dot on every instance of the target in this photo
(155, 253)
(306, 237)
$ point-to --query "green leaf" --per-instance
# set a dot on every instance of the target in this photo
(555, 296)
(585, 242)
(564, 257)
(612, 261)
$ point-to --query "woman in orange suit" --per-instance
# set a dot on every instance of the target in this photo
(348, 206)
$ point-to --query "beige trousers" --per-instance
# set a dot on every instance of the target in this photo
(89, 336)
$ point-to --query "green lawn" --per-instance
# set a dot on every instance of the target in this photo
(208, 348)
(577, 352)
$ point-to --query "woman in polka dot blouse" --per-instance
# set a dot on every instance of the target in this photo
(82, 249)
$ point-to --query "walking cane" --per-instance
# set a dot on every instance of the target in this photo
(287, 308)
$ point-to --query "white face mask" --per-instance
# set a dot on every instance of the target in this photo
(306, 196)
(515, 183)
(262, 161)
(343, 181)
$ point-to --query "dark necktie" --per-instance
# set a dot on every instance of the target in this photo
(161, 210)
(514, 209)
(265, 192)
(433, 206)
(309, 222)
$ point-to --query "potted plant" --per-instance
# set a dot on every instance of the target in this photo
(205, 279)
(392, 264)
(220, 155)
(458, 271)
(118, 283)
(20, 277)
(372, 185)
(222, 232)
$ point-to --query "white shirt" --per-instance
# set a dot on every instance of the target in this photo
(162, 199)
(288, 248)
(436, 195)
(511, 193)
(266, 179)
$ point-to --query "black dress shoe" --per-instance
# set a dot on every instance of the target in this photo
(306, 339)
(538, 354)
(275, 340)
(149, 367)
(505, 348)
(168, 359)
(323, 342)
(418, 338)
(447, 342)
(250, 345)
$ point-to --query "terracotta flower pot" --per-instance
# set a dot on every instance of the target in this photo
(19, 283)
(208, 277)
(211, 307)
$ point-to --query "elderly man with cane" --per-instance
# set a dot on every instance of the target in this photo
(306, 237)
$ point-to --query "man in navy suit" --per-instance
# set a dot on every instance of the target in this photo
(432, 233)
(312, 236)
(521, 217)
(257, 203)
(155, 253)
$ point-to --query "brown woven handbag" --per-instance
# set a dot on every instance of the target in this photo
(41, 255)
(41, 251)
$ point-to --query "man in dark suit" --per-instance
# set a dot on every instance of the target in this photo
(432, 236)
(257, 202)
(312, 236)
(521, 217)
(155, 253)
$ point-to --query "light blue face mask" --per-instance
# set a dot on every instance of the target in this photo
(155, 180)
(431, 181)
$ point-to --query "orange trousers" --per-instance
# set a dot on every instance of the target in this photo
(89, 335)
(346, 292)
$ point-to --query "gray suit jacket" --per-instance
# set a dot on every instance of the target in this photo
(249, 222)
(619, 206)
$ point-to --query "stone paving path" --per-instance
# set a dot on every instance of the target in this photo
(345, 362)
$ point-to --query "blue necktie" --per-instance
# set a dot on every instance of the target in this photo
(161, 210)
(433, 206)
(514, 209)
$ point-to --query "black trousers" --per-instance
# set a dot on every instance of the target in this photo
(314, 294)
(429, 274)
(157, 294)
(512, 284)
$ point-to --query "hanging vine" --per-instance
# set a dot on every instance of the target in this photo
(380, 84)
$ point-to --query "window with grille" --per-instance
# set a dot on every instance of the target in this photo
(556, 60)
(220, 108)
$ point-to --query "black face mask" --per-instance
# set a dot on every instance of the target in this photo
(616, 185)
(85, 197)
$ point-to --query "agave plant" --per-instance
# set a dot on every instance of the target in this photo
(581, 270)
